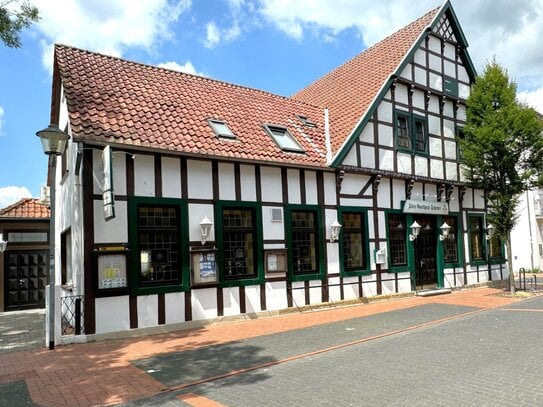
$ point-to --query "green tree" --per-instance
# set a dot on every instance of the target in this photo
(13, 20)
(502, 149)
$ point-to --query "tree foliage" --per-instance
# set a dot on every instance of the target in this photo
(502, 148)
(13, 20)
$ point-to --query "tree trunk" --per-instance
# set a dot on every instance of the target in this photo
(510, 264)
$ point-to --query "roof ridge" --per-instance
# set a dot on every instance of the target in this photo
(14, 205)
(367, 50)
(195, 76)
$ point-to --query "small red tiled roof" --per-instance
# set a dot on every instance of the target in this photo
(114, 101)
(26, 208)
(349, 90)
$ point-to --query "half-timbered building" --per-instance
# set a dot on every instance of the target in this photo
(184, 198)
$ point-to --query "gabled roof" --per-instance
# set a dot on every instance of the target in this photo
(114, 101)
(350, 90)
(25, 208)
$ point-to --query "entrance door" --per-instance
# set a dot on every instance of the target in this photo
(25, 279)
(425, 253)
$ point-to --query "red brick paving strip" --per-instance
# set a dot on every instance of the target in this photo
(198, 401)
(100, 373)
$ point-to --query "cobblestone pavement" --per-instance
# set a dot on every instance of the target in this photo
(429, 350)
(22, 330)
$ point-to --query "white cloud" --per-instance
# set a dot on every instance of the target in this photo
(10, 195)
(187, 67)
(107, 26)
(213, 35)
(533, 99)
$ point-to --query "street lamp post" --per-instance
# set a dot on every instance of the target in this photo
(53, 142)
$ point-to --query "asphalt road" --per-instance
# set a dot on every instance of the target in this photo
(468, 357)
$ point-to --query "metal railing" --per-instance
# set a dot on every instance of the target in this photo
(72, 315)
(526, 284)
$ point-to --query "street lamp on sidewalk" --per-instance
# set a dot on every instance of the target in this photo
(53, 143)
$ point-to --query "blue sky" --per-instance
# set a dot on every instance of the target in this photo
(275, 45)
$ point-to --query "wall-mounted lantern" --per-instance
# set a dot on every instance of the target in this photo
(490, 230)
(335, 227)
(3, 244)
(415, 230)
(445, 229)
(205, 227)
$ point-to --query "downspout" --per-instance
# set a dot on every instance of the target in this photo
(327, 140)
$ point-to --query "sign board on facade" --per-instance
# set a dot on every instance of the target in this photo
(425, 207)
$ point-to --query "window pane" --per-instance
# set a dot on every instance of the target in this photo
(396, 230)
(495, 247)
(304, 242)
(476, 237)
(239, 242)
(158, 244)
(284, 139)
(353, 241)
(420, 136)
(403, 134)
(450, 248)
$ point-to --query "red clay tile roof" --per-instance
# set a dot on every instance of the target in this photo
(26, 208)
(349, 90)
(120, 102)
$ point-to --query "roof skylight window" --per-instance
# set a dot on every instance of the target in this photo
(284, 139)
(220, 129)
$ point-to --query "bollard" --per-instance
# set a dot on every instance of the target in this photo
(78, 316)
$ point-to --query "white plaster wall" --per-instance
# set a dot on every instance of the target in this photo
(436, 169)
(199, 179)
(451, 171)
(334, 292)
(434, 145)
(404, 283)
(386, 137)
(147, 310)
(418, 99)
(401, 94)
(383, 195)
(420, 57)
(298, 294)
(406, 73)
(248, 182)
(434, 44)
(174, 306)
(454, 203)
(433, 107)
(463, 74)
(276, 295)
(367, 156)
(367, 134)
(479, 200)
(315, 292)
(272, 230)
(404, 161)
(450, 69)
(329, 188)
(350, 288)
(369, 289)
(388, 285)
(468, 198)
(421, 166)
(311, 188)
(197, 212)
(204, 303)
(461, 113)
(118, 169)
(450, 150)
(436, 82)
(144, 175)
(420, 76)
(112, 314)
(398, 193)
(434, 125)
(333, 257)
(435, 63)
(293, 182)
(448, 129)
(472, 276)
(252, 299)
(463, 91)
(350, 158)
(227, 182)
(449, 51)
(114, 230)
(171, 177)
(231, 301)
(384, 112)
(271, 184)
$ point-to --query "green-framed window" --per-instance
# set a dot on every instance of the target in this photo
(397, 241)
(158, 233)
(411, 133)
(354, 243)
(452, 245)
(476, 235)
(496, 249)
(304, 236)
(239, 240)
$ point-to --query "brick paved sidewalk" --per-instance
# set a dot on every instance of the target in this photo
(100, 373)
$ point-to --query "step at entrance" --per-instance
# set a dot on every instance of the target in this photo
(433, 291)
